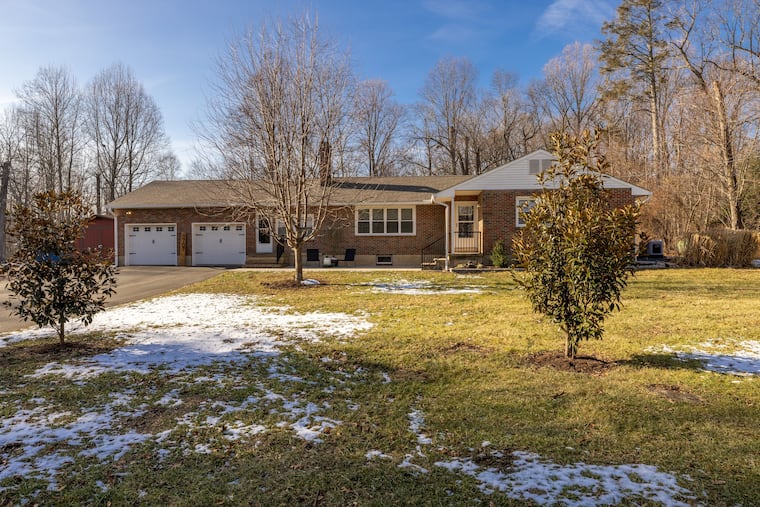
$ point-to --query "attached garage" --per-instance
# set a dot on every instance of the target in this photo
(151, 244)
(218, 244)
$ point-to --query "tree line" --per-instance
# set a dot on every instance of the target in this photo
(101, 140)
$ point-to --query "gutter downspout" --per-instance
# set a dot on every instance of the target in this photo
(446, 227)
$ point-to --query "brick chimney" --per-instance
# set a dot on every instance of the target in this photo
(325, 162)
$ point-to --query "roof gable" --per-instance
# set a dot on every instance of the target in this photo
(519, 175)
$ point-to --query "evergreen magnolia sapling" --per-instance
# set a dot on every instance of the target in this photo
(51, 280)
(576, 249)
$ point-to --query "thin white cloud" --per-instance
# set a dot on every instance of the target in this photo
(453, 9)
(569, 14)
(461, 19)
(452, 33)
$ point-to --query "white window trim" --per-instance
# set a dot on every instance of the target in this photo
(384, 208)
(518, 208)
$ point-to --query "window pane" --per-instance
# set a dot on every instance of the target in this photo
(392, 227)
(363, 214)
(466, 213)
(407, 227)
(392, 214)
(363, 227)
(377, 215)
(378, 227)
(406, 213)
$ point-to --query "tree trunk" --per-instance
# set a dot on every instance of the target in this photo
(4, 177)
(61, 331)
(570, 347)
(298, 263)
(730, 176)
(656, 143)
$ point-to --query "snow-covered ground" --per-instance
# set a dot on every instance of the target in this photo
(729, 356)
(215, 341)
(420, 287)
(176, 335)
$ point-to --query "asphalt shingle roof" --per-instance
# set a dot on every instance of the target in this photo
(222, 193)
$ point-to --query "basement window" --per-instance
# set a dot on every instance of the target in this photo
(384, 260)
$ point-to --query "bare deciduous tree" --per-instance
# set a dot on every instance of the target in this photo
(567, 96)
(377, 118)
(275, 124)
(448, 96)
(126, 129)
(52, 105)
(724, 103)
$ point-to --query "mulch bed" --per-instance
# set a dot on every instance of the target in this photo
(581, 364)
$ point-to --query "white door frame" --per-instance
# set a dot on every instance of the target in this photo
(263, 234)
(465, 235)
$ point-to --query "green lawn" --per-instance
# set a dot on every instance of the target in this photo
(447, 380)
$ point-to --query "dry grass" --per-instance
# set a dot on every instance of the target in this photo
(468, 362)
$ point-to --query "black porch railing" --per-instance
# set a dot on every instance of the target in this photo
(433, 251)
(465, 242)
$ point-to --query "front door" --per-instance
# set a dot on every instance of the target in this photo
(466, 235)
(263, 236)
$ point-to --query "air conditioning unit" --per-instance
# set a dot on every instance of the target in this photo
(655, 248)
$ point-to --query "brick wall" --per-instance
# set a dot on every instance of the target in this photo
(499, 213)
(338, 236)
(497, 221)
(338, 233)
(183, 217)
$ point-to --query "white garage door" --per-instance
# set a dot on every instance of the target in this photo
(218, 244)
(151, 244)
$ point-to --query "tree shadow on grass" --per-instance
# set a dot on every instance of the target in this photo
(33, 353)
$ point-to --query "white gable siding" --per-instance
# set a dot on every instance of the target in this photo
(516, 175)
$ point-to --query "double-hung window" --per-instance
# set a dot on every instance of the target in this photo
(523, 205)
(385, 221)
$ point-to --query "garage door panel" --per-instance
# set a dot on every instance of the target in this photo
(218, 244)
(151, 244)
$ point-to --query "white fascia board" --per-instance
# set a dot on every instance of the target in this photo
(376, 204)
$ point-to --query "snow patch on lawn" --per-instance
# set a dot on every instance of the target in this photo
(420, 287)
(172, 335)
(729, 356)
(38, 443)
(416, 422)
(531, 478)
(178, 332)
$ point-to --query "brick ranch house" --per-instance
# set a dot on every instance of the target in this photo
(395, 221)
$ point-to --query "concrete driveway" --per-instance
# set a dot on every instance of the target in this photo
(134, 283)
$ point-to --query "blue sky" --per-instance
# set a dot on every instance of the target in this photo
(171, 44)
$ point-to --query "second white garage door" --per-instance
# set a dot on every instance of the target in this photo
(218, 244)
